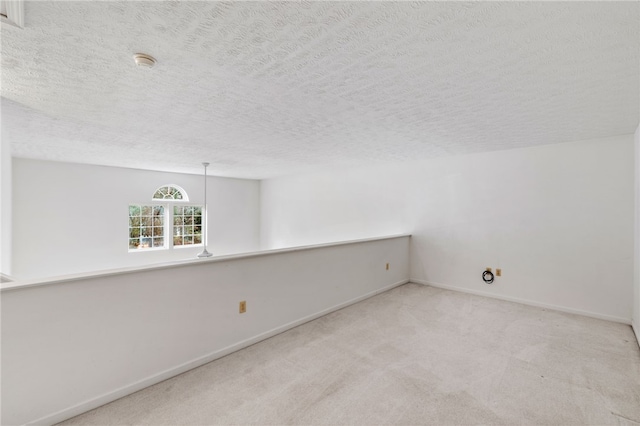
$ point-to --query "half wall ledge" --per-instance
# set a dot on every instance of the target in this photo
(13, 284)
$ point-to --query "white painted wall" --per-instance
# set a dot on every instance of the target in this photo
(72, 218)
(558, 219)
(72, 345)
(636, 280)
(5, 207)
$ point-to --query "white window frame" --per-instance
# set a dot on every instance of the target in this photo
(171, 225)
(168, 220)
(164, 227)
(183, 193)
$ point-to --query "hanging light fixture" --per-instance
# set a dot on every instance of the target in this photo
(205, 253)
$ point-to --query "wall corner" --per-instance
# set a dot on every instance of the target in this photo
(636, 267)
(6, 207)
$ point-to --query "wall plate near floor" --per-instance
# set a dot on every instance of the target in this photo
(243, 307)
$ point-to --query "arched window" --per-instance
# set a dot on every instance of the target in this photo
(170, 192)
(167, 223)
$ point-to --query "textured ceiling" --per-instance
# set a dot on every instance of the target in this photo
(262, 89)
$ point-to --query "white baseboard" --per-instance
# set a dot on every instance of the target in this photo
(636, 330)
(103, 399)
(524, 301)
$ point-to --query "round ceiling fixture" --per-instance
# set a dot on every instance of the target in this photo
(144, 60)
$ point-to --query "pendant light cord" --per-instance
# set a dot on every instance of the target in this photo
(204, 223)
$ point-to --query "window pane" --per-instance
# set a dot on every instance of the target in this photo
(197, 230)
(177, 220)
(188, 220)
(177, 241)
(197, 220)
(188, 240)
(178, 230)
(146, 226)
(188, 230)
(168, 192)
(177, 210)
(159, 193)
(197, 210)
(197, 239)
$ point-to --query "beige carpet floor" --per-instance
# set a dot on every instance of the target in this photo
(413, 355)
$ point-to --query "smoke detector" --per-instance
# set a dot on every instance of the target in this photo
(144, 60)
(12, 12)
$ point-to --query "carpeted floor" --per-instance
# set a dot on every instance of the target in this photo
(413, 355)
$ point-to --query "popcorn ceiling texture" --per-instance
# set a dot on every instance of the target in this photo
(262, 89)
